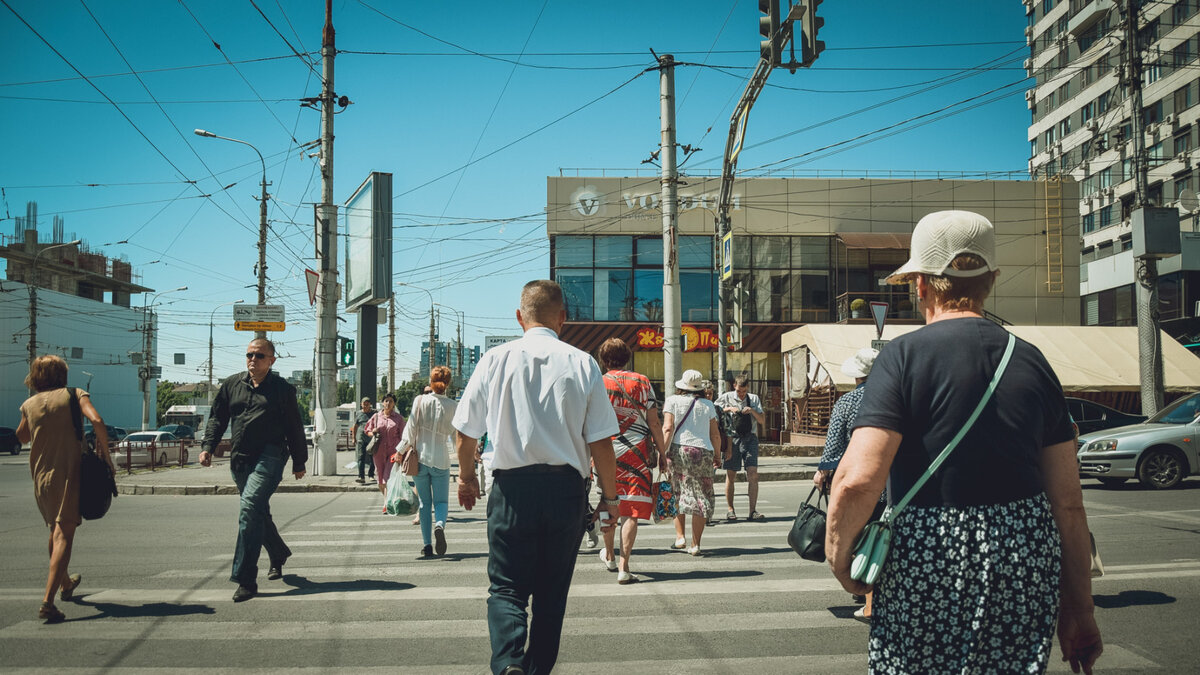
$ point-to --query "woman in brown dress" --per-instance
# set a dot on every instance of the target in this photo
(54, 462)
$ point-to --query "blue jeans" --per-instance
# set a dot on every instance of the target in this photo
(433, 487)
(535, 521)
(256, 479)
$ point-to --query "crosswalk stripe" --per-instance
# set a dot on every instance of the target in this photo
(348, 538)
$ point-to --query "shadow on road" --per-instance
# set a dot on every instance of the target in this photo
(697, 575)
(1134, 486)
(1132, 599)
(304, 586)
(153, 609)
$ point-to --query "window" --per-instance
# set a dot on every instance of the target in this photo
(1155, 153)
(1106, 214)
(1183, 181)
(1104, 178)
(1152, 72)
(1154, 194)
(770, 295)
(697, 293)
(696, 252)
(1182, 54)
(1033, 147)
(810, 296)
(1047, 5)
(647, 295)
(1182, 142)
(613, 251)
(1126, 242)
(1064, 127)
(1049, 137)
(1102, 105)
(614, 295)
(1088, 254)
(572, 251)
(577, 293)
(1151, 113)
(1088, 111)
(1182, 10)
(1104, 249)
(1183, 98)
(772, 252)
(1087, 186)
(810, 253)
(1089, 222)
(648, 252)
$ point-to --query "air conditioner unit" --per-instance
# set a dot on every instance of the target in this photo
(1030, 94)
(1169, 120)
(1092, 125)
(1028, 64)
(1028, 32)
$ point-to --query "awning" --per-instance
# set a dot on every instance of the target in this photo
(1085, 358)
(879, 240)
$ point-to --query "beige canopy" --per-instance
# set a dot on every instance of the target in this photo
(1085, 358)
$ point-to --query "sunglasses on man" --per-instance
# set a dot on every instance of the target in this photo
(251, 356)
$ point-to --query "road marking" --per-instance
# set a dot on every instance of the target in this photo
(780, 536)
(1173, 516)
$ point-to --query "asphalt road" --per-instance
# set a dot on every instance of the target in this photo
(355, 598)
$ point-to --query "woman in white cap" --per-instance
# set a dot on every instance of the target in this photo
(690, 431)
(837, 437)
(991, 550)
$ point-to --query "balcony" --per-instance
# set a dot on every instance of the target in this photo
(901, 306)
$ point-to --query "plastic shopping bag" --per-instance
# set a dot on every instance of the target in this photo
(399, 499)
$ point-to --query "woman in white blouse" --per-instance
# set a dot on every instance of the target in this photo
(429, 431)
(691, 432)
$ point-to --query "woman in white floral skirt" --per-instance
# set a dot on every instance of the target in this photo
(993, 551)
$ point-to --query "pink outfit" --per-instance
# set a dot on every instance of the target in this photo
(389, 428)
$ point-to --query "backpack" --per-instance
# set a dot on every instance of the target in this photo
(738, 424)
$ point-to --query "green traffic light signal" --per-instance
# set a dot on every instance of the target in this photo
(346, 356)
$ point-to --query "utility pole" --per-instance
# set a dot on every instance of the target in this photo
(458, 370)
(1150, 366)
(432, 335)
(672, 319)
(325, 439)
(392, 342)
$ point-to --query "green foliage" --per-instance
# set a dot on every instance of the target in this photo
(345, 393)
(858, 305)
(406, 393)
(304, 400)
(167, 397)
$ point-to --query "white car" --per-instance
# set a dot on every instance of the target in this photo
(140, 447)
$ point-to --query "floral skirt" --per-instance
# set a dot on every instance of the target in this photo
(968, 590)
(692, 479)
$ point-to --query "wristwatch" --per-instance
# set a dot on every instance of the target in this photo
(614, 501)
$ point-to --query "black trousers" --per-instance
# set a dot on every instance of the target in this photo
(535, 521)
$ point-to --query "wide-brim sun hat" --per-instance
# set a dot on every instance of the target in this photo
(860, 364)
(691, 380)
(940, 237)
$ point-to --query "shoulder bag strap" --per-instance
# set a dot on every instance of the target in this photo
(933, 466)
(689, 412)
(76, 412)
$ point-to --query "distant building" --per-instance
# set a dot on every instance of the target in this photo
(348, 375)
(83, 315)
(450, 355)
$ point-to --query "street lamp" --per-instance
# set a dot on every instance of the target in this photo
(262, 222)
(33, 286)
(144, 371)
(431, 335)
(211, 318)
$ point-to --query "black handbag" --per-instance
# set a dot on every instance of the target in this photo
(97, 485)
(807, 536)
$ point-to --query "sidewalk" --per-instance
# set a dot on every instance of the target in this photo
(194, 479)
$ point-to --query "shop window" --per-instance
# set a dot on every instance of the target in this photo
(614, 295)
(810, 253)
(770, 296)
(741, 253)
(772, 252)
(648, 252)
(614, 251)
(810, 297)
(647, 295)
(577, 290)
(572, 251)
(697, 295)
(696, 252)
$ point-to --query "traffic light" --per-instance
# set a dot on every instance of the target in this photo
(768, 27)
(345, 351)
(810, 23)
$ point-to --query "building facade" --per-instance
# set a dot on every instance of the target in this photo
(1081, 129)
(804, 251)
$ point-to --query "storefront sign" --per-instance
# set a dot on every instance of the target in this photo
(694, 339)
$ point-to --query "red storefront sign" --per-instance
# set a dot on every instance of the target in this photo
(694, 339)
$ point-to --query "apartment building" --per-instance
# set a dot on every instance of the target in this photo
(1082, 129)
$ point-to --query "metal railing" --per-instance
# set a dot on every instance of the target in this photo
(901, 306)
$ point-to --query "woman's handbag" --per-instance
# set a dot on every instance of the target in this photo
(373, 443)
(410, 463)
(807, 536)
(662, 494)
(875, 542)
(97, 485)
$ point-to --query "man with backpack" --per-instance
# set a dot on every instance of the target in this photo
(743, 413)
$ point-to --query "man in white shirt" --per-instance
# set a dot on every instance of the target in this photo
(745, 444)
(544, 407)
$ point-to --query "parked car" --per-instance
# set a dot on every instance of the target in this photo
(309, 430)
(9, 442)
(179, 431)
(135, 449)
(119, 433)
(1159, 452)
(90, 436)
(1090, 416)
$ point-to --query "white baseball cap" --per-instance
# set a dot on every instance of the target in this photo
(940, 237)
(860, 364)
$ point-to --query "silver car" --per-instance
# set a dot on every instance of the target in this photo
(1159, 452)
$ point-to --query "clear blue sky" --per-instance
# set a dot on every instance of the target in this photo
(516, 90)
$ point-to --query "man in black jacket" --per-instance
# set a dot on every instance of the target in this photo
(266, 430)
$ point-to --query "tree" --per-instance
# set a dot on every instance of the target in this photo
(167, 397)
(383, 385)
(304, 400)
(345, 393)
(405, 394)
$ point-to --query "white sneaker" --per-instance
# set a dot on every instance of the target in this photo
(626, 578)
(610, 564)
(592, 540)
(861, 615)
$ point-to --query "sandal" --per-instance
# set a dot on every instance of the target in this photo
(730, 516)
(50, 613)
(679, 544)
(68, 589)
(755, 515)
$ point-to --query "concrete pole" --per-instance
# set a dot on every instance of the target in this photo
(325, 422)
(1150, 368)
(672, 320)
(392, 342)
(262, 243)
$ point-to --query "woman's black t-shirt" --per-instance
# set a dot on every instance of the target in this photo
(925, 384)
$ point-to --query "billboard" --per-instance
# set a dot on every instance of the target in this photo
(368, 217)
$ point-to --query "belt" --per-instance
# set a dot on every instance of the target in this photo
(537, 468)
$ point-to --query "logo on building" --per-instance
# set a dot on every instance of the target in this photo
(588, 201)
(694, 339)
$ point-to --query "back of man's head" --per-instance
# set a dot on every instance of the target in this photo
(541, 301)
